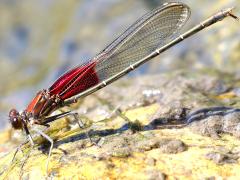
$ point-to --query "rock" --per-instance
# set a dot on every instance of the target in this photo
(151, 140)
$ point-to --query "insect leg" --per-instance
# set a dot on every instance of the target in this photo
(76, 118)
(81, 125)
(18, 149)
(58, 116)
(115, 111)
(26, 158)
(51, 142)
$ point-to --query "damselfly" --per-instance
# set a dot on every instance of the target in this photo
(145, 39)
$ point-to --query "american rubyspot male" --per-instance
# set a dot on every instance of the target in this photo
(151, 35)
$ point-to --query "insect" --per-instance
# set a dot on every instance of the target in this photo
(145, 39)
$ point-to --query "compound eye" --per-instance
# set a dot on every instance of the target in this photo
(13, 113)
(15, 119)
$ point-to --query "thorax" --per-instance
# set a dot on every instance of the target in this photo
(42, 105)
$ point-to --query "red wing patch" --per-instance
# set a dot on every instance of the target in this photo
(75, 81)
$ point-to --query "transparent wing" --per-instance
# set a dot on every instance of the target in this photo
(149, 33)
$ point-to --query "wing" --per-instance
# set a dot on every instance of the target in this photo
(150, 32)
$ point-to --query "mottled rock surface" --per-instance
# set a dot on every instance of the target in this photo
(141, 128)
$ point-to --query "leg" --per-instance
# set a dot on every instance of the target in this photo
(98, 142)
(117, 111)
(76, 118)
(51, 142)
(58, 116)
(133, 126)
(81, 125)
(17, 149)
(31, 141)
(25, 160)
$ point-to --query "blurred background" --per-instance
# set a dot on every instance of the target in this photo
(39, 40)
